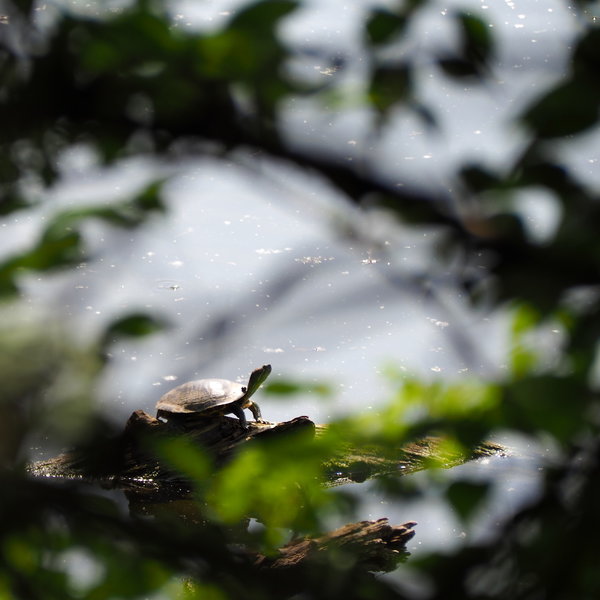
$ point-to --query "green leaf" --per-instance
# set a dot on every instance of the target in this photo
(186, 457)
(523, 361)
(278, 480)
(290, 388)
(525, 318)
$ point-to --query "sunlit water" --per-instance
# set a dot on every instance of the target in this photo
(247, 271)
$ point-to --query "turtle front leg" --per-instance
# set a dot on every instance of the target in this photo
(255, 410)
(238, 411)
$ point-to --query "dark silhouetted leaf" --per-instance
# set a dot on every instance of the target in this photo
(11, 202)
(477, 41)
(262, 17)
(586, 59)
(458, 67)
(426, 115)
(150, 198)
(466, 497)
(549, 404)
(478, 179)
(58, 247)
(383, 26)
(390, 85)
(475, 49)
(570, 108)
(134, 325)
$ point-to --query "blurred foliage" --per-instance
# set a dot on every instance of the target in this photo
(133, 325)
(287, 387)
(46, 381)
(277, 482)
(129, 82)
(475, 49)
(61, 243)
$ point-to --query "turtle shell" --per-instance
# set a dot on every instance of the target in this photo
(201, 395)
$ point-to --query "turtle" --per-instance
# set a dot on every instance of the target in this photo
(214, 396)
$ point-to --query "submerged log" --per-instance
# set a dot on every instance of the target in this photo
(373, 546)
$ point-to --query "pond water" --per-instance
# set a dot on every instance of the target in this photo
(282, 266)
(259, 264)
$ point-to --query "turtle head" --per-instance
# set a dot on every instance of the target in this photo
(257, 377)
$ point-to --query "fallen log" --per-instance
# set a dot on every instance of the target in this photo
(129, 460)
